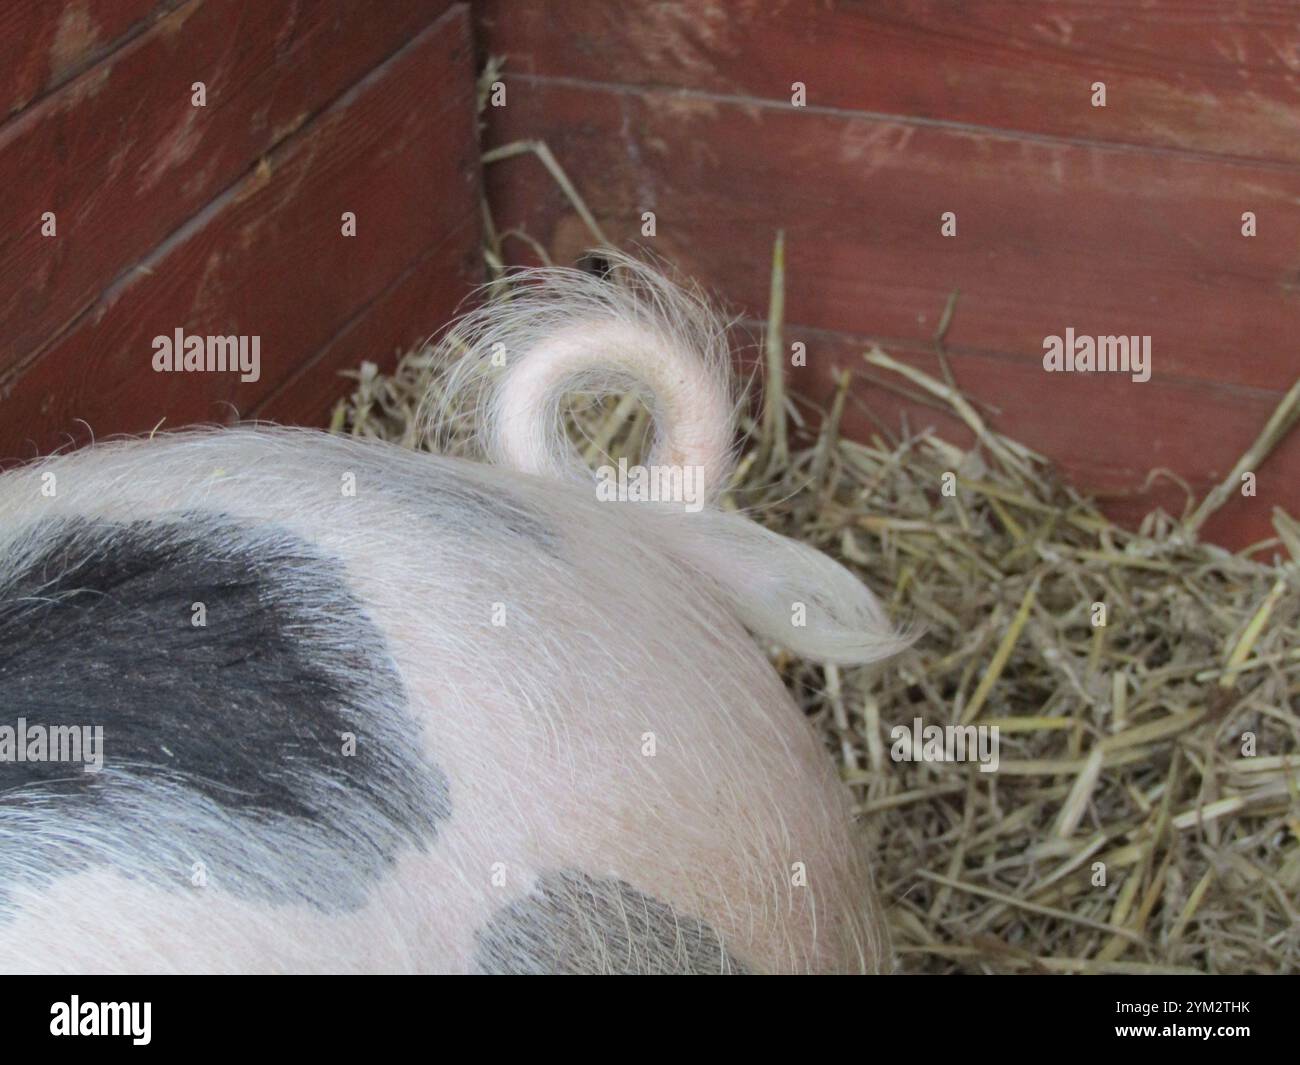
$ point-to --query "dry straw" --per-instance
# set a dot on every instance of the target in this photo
(1129, 828)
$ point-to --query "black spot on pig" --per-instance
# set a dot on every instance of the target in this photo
(573, 923)
(225, 757)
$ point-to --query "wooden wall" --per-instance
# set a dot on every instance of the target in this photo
(1125, 219)
(224, 219)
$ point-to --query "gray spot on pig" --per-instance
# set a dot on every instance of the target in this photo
(573, 923)
(224, 763)
(488, 512)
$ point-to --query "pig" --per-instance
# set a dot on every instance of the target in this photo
(279, 701)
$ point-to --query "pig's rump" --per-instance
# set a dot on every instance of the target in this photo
(366, 709)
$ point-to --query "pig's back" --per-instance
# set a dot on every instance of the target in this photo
(365, 709)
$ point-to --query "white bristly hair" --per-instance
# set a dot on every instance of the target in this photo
(562, 331)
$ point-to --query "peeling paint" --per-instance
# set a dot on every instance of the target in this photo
(874, 143)
(209, 302)
(1057, 29)
(173, 150)
(87, 86)
(174, 21)
(285, 129)
(678, 106)
(684, 38)
(201, 181)
(76, 36)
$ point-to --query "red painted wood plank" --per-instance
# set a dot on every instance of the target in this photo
(1201, 76)
(42, 45)
(267, 257)
(124, 158)
(1104, 433)
(1049, 236)
(423, 299)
